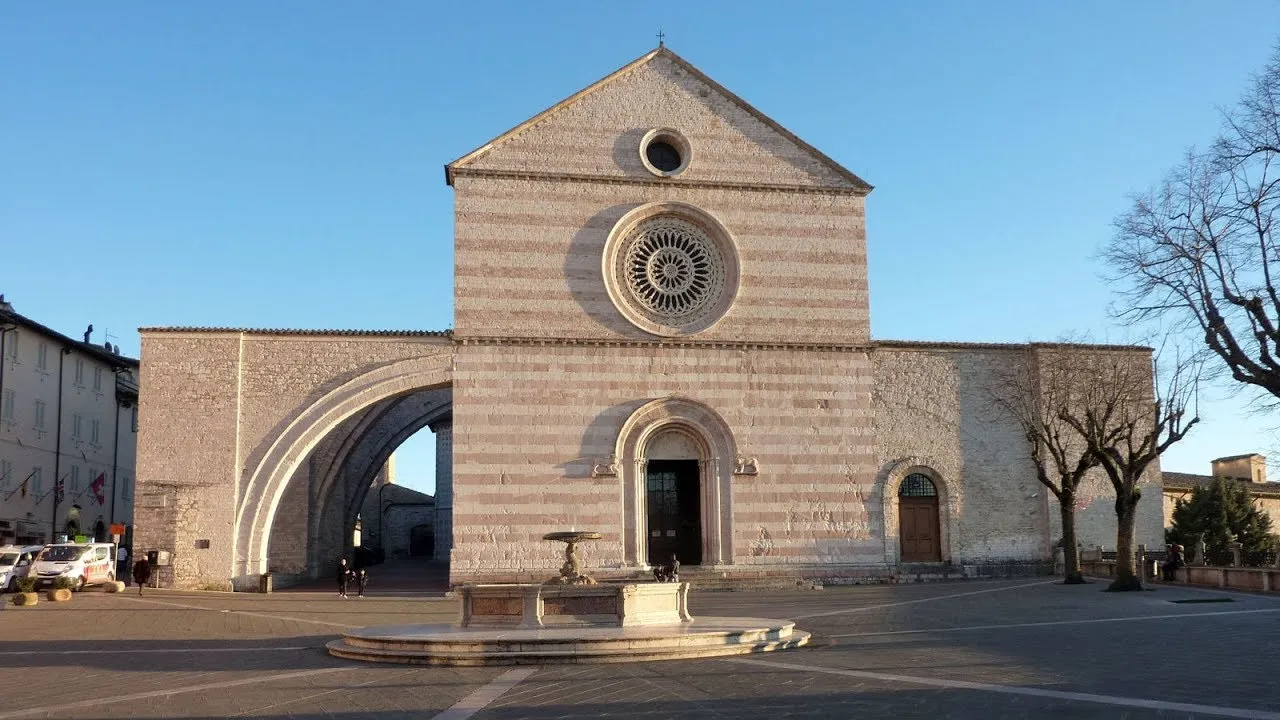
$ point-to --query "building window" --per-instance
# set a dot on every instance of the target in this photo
(11, 345)
(134, 421)
(126, 489)
(75, 481)
(94, 426)
(917, 485)
(6, 409)
(80, 372)
(39, 424)
(665, 152)
(42, 356)
(37, 480)
(76, 422)
(97, 379)
(6, 474)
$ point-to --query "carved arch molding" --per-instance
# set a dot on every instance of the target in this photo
(894, 474)
(659, 426)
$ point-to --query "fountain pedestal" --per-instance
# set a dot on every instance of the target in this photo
(569, 619)
(555, 605)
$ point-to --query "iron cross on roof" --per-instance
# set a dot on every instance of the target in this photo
(661, 38)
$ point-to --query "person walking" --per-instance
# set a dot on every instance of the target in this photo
(122, 564)
(141, 573)
(344, 576)
(362, 577)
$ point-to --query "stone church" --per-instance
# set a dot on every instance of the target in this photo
(662, 334)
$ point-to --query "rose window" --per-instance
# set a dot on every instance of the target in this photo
(671, 268)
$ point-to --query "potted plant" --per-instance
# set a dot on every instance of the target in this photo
(61, 591)
(26, 594)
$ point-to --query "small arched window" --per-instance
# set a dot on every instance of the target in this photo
(917, 485)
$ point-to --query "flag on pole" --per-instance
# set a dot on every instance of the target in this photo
(97, 485)
(57, 491)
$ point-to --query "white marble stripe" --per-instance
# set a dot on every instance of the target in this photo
(864, 608)
(478, 700)
(95, 702)
(1051, 623)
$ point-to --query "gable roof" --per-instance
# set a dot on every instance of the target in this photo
(660, 52)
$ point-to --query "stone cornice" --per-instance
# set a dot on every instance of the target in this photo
(656, 182)
(293, 332)
(662, 343)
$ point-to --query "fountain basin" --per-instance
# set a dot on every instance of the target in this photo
(533, 606)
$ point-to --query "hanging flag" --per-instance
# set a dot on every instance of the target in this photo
(24, 487)
(97, 485)
(57, 491)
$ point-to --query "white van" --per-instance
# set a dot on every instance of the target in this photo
(85, 564)
(15, 562)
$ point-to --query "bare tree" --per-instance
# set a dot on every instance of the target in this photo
(1128, 416)
(1036, 395)
(1199, 250)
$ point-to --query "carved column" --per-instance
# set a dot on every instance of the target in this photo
(443, 430)
(637, 541)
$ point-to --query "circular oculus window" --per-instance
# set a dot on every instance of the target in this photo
(665, 152)
(668, 274)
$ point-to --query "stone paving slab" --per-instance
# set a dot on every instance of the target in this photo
(984, 645)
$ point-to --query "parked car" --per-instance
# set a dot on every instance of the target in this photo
(85, 564)
(16, 562)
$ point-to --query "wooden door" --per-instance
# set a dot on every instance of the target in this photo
(918, 529)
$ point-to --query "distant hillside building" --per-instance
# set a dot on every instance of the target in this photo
(1250, 469)
(68, 433)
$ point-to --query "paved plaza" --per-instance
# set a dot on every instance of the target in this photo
(1001, 649)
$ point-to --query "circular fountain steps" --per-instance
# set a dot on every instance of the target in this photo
(450, 645)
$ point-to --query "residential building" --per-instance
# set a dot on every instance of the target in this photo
(68, 433)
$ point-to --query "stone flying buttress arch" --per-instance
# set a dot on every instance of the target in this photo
(308, 426)
(716, 467)
(374, 454)
(364, 449)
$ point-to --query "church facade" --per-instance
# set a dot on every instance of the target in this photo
(662, 334)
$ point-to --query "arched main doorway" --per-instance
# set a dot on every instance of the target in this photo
(673, 490)
(676, 457)
(919, 532)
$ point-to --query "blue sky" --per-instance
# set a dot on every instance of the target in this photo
(279, 164)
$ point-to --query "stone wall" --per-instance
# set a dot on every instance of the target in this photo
(246, 388)
(530, 421)
(187, 470)
(528, 248)
(933, 408)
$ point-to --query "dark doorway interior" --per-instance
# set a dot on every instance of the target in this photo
(422, 541)
(674, 511)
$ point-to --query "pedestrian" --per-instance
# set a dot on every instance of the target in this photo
(362, 577)
(122, 564)
(344, 576)
(141, 573)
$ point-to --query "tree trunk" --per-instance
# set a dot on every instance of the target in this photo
(1126, 515)
(1070, 551)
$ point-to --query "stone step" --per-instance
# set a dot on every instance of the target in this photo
(450, 645)
(340, 648)
(570, 642)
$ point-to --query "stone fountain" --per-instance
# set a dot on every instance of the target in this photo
(570, 618)
(571, 571)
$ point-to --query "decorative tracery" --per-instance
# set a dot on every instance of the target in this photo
(672, 269)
